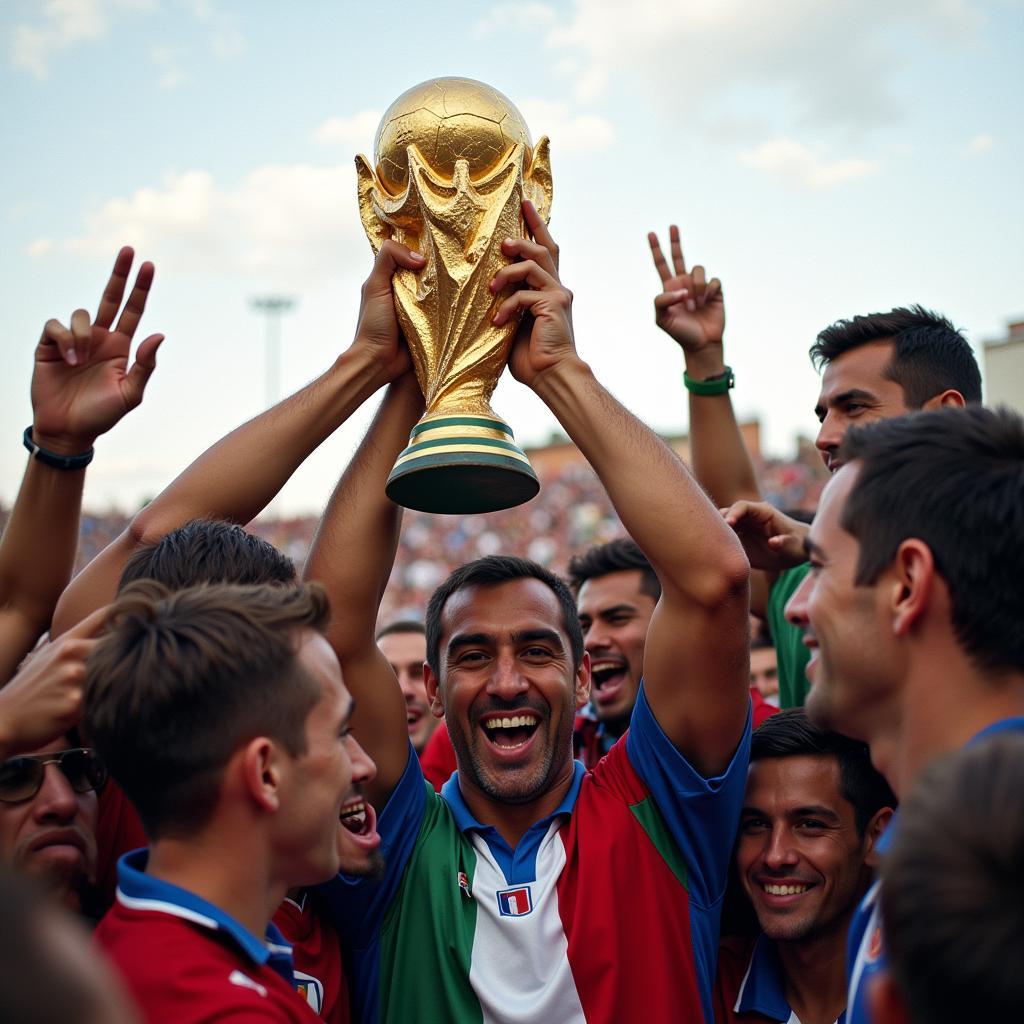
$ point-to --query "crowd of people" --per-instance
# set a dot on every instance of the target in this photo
(658, 748)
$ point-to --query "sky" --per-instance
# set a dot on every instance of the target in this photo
(823, 159)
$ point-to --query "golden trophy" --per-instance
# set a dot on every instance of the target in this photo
(453, 161)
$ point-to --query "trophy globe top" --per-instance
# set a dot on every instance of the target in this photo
(448, 119)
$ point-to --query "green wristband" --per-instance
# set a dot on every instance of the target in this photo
(719, 384)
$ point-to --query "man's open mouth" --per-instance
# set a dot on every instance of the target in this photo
(510, 732)
(356, 816)
(607, 676)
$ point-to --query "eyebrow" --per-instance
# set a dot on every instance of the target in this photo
(844, 397)
(530, 635)
(814, 811)
(470, 640)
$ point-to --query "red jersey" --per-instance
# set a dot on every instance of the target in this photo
(185, 960)
(316, 952)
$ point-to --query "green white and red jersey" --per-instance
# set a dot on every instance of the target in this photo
(607, 910)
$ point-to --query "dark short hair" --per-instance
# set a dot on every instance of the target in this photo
(790, 733)
(954, 479)
(953, 888)
(401, 626)
(182, 679)
(929, 354)
(619, 555)
(491, 571)
(208, 551)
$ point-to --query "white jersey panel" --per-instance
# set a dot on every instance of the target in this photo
(520, 971)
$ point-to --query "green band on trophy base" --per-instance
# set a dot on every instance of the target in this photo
(462, 465)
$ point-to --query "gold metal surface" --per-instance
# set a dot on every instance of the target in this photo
(453, 160)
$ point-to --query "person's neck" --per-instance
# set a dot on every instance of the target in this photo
(814, 973)
(945, 704)
(511, 821)
(229, 877)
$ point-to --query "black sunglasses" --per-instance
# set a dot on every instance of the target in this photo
(22, 777)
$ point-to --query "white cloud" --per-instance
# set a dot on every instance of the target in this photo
(803, 166)
(355, 133)
(570, 132)
(803, 61)
(292, 224)
(514, 17)
(62, 24)
(979, 144)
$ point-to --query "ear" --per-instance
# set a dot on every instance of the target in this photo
(948, 399)
(262, 768)
(433, 687)
(913, 579)
(875, 827)
(583, 682)
(886, 1001)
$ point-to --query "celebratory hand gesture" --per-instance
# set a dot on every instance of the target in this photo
(690, 309)
(545, 335)
(81, 384)
(772, 540)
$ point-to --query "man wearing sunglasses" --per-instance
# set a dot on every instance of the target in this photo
(48, 817)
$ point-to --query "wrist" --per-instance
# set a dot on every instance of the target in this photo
(564, 377)
(359, 366)
(717, 384)
(57, 450)
(706, 363)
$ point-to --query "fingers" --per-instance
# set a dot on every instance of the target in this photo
(539, 230)
(142, 369)
(81, 333)
(528, 300)
(714, 290)
(525, 249)
(677, 250)
(666, 299)
(136, 304)
(392, 256)
(659, 257)
(55, 334)
(527, 272)
(699, 281)
(110, 301)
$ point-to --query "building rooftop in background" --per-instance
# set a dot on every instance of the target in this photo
(1003, 360)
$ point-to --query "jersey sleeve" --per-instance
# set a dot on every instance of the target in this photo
(701, 814)
(357, 904)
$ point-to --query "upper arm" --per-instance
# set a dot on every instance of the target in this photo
(697, 673)
(94, 586)
(379, 721)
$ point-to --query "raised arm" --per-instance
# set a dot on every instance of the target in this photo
(354, 548)
(696, 669)
(691, 311)
(81, 387)
(243, 472)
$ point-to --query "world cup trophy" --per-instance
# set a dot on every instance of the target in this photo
(453, 161)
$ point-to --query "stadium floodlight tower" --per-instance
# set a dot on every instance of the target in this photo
(274, 307)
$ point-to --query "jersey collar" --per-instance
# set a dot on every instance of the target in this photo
(762, 988)
(138, 891)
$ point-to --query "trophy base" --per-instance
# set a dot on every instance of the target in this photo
(460, 465)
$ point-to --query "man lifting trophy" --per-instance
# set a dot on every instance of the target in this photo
(453, 162)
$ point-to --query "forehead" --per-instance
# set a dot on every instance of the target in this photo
(499, 608)
(826, 529)
(859, 369)
(612, 589)
(762, 657)
(402, 647)
(804, 780)
(317, 658)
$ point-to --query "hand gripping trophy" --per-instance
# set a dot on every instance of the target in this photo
(454, 161)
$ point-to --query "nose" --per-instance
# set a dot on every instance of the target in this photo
(796, 606)
(56, 800)
(506, 681)
(779, 853)
(829, 435)
(595, 636)
(363, 767)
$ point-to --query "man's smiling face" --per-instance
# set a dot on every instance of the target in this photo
(508, 688)
(614, 615)
(799, 856)
(855, 390)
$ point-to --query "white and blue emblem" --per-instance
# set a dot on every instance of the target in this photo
(515, 902)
